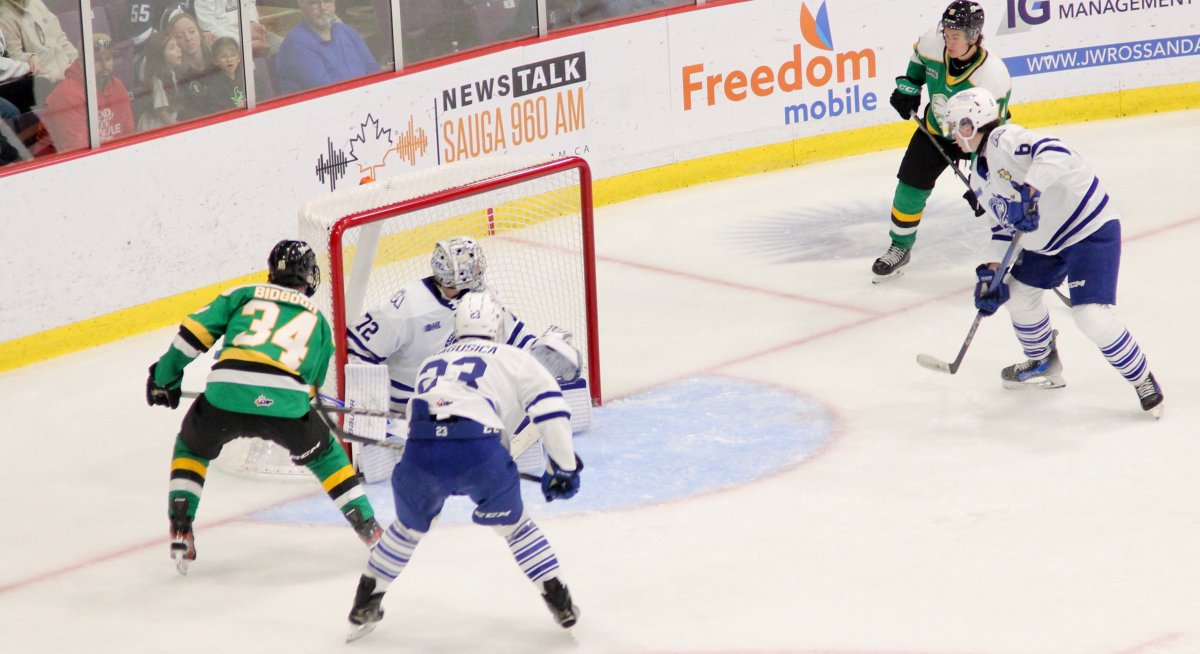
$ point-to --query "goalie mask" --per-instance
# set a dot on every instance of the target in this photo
(968, 113)
(478, 314)
(966, 16)
(557, 355)
(458, 263)
(294, 264)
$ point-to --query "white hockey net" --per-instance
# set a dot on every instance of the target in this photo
(531, 216)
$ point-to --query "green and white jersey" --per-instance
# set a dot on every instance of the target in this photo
(277, 348)
(930, 66)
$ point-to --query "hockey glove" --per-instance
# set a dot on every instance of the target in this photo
(1022, 214)
(162, 395)
(986, 300)
(972, 200)
(906, 99)
(559, 484)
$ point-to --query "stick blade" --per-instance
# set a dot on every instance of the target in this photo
(934, 363)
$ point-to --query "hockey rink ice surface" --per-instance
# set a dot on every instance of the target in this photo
(772, 473)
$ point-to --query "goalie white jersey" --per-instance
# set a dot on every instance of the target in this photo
(498, 386)
(417, 321)
(1073, 204)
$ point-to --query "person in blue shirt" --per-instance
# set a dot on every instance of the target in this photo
(320, 50)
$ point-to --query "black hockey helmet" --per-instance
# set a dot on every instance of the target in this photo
(964, 15)
(294, 264)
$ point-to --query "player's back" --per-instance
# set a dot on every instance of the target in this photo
(493, 384)
(276, 345)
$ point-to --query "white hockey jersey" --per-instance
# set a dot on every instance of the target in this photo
(1073, 205)
(497, 386)
(414, 324)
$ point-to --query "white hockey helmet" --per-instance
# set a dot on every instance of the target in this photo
(557, 354)
(969, 111)
(478, 314)
(458, 263)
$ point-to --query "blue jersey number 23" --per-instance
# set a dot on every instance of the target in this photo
(468, 369)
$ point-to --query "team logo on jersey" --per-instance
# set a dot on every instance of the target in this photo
(1004, 174)
(433, 326)
(263, 401)
(372, 147)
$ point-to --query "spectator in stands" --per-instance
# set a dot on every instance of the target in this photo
(196, 72)
(161, 99)
(33, 35)
(227, 90)
(16, 81)
(219, 18)
(8, 137)
(66, 115)
(320, 50)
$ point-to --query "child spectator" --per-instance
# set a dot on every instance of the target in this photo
(196, 73)
(160, 104)
(227, 90)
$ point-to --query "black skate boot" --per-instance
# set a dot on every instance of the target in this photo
(183, 542)
(1036, 373)
(890, 263)
(1151, 395)
(368, 530)
(366, 610)
(558, 598)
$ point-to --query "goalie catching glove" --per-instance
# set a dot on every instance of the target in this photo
(554, 351)
(167, 396)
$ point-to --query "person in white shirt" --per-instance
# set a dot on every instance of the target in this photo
(1039, 187)
(454, 447)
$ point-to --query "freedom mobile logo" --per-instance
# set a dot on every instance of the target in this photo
(795, 74)
(370, 150)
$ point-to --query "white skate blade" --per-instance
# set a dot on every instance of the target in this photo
(879, 279)
(1035, 383)
(181, 562)
(1157, 411)
(934, 363)
(359, 630)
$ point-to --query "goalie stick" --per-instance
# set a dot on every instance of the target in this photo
(934, 363)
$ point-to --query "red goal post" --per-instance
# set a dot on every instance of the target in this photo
(533, 219)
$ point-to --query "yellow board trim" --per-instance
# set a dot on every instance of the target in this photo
(728, 165)
(336, 478)
(189, 464)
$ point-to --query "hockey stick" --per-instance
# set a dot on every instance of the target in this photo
(954, 166)
(323, 410)
(978, 207)
(933, 363)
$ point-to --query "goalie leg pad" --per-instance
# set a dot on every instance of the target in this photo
(367, 388)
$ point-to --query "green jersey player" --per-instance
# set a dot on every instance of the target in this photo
(946, 60)
(276, 351)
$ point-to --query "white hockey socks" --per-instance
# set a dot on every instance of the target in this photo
(1100, 323)
(531, 551)
(391, 554)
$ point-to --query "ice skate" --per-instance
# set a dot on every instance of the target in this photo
(183, 542)
(1151, 396)
(558, 599)
(366, 611)
(369, 531)
(1036, 373)
(890, 264)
